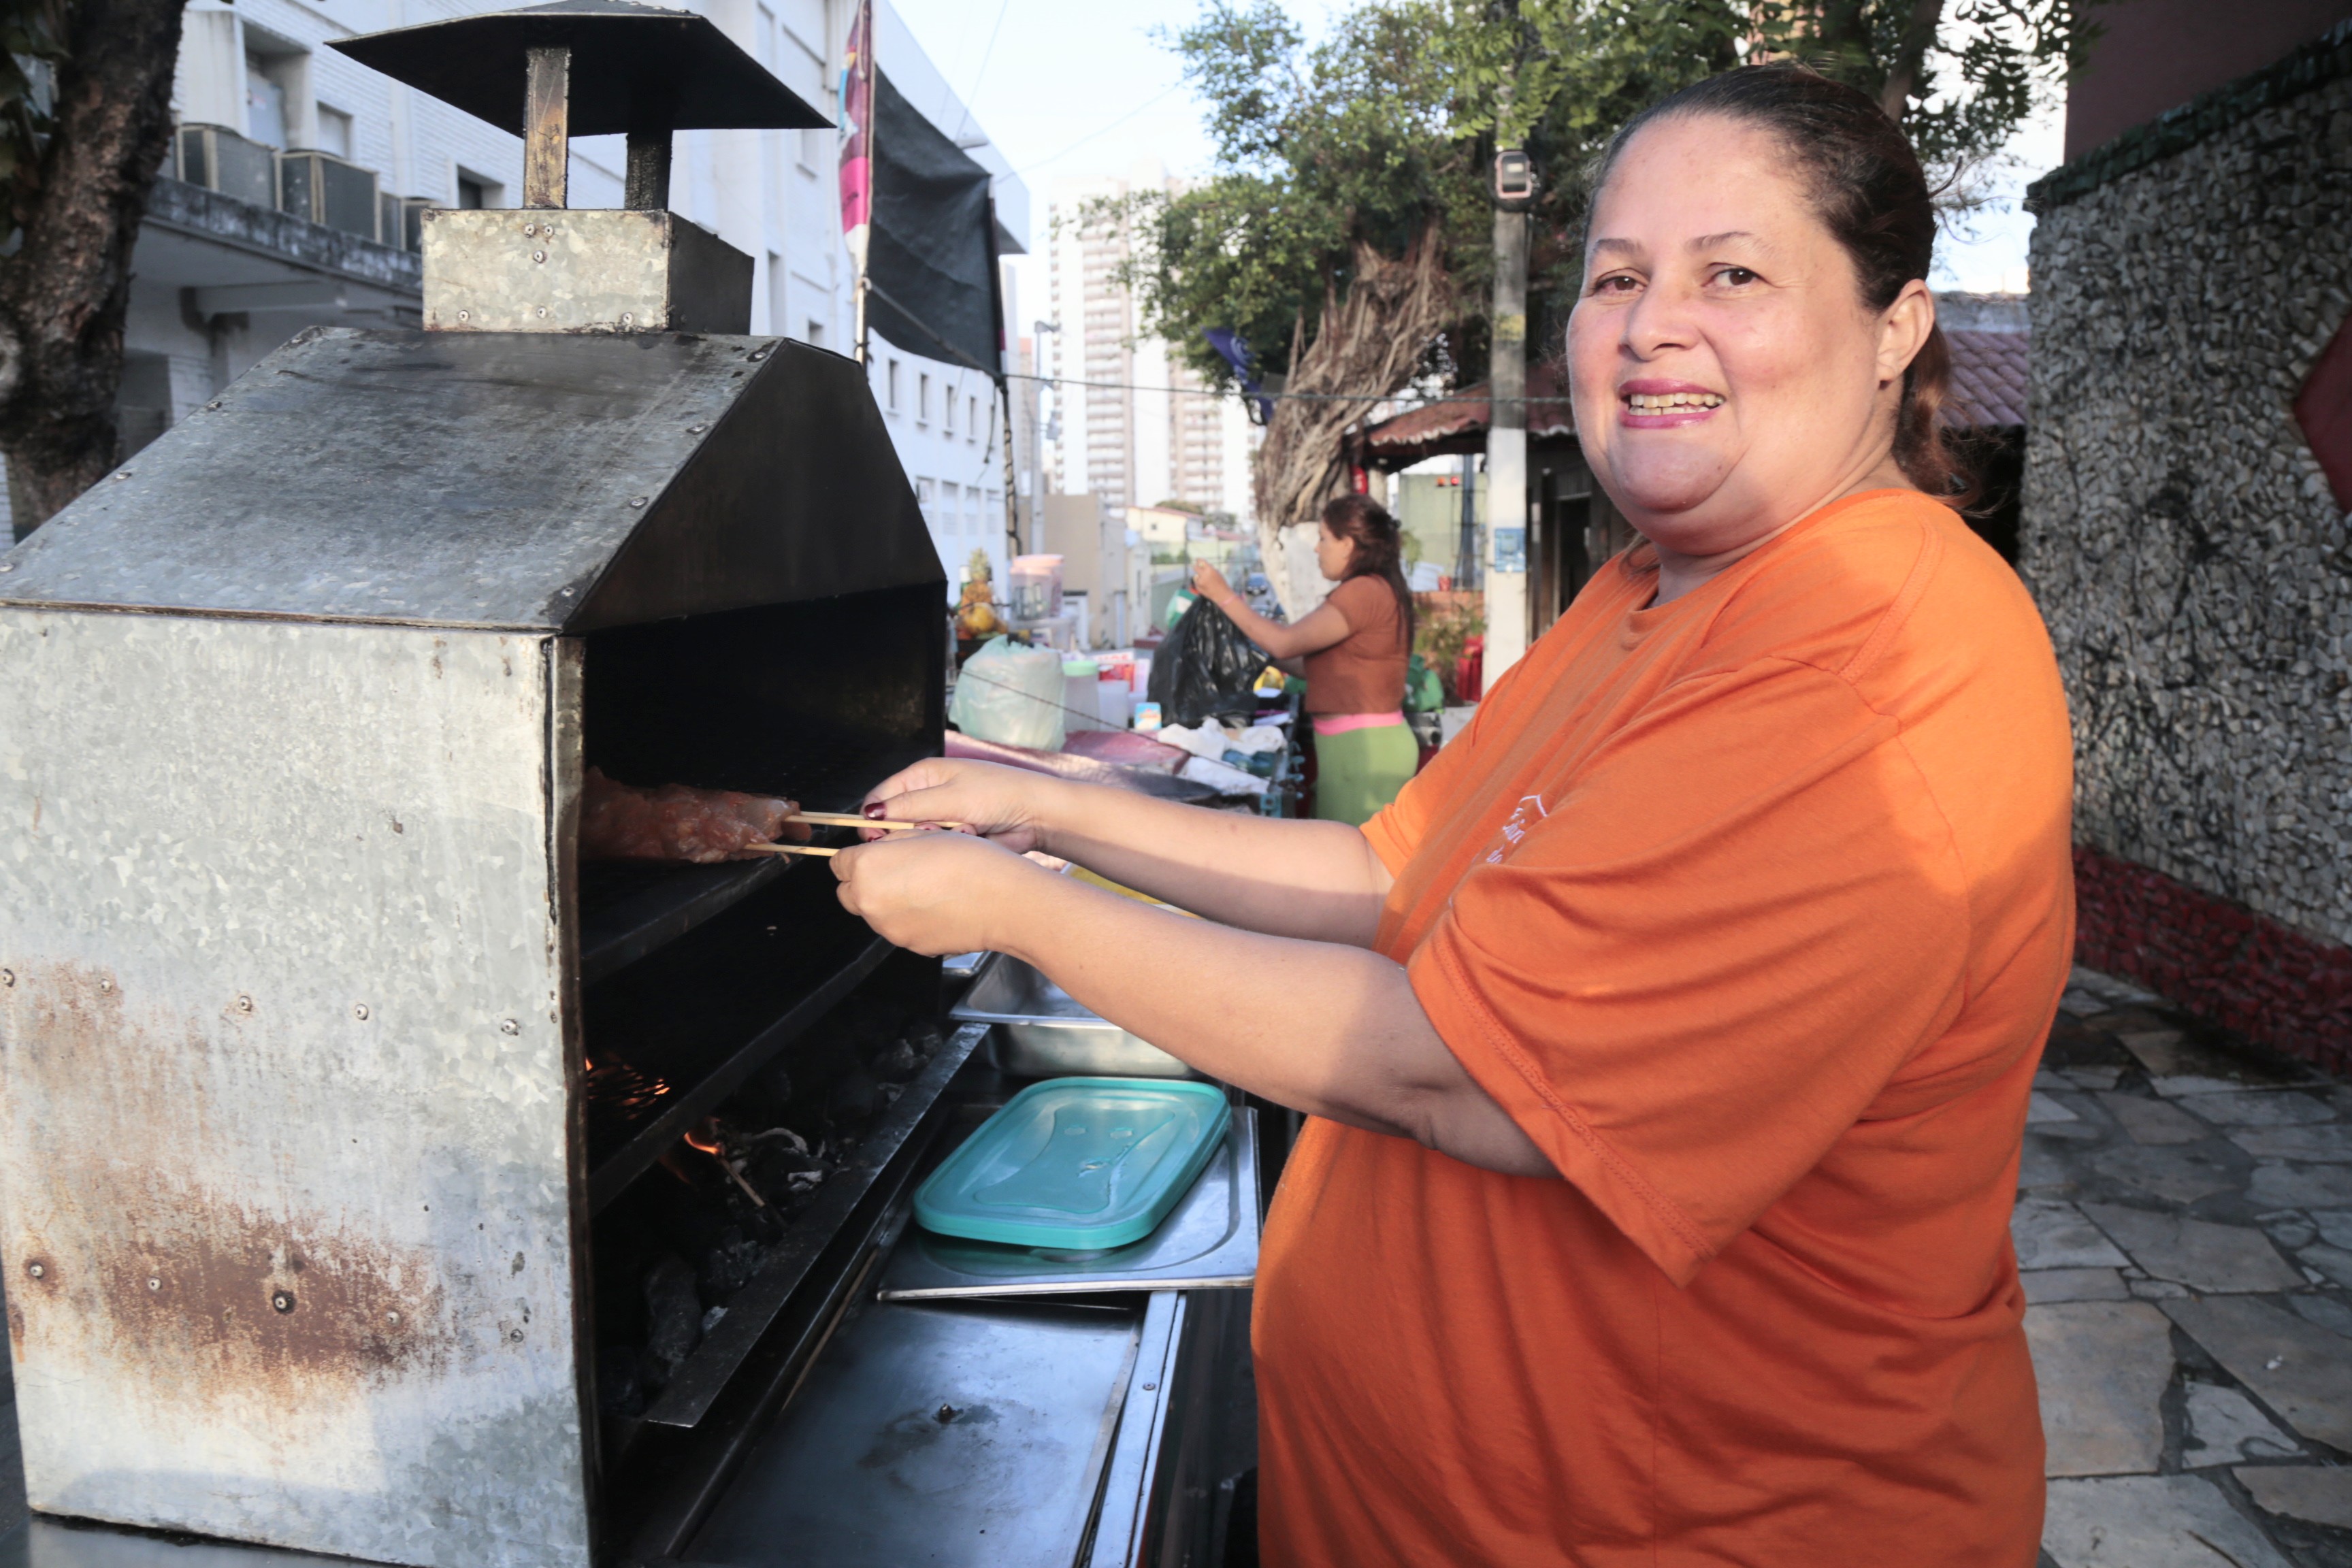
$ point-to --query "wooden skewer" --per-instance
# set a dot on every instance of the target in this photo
(851, 819)
(791, 849)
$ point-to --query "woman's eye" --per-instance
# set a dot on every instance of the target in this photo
(1736, 277)
(1615, 283)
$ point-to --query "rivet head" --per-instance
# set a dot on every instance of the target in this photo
(515, 1335)
(757, 355)
(8, 977)
(1149, 1386)
(626, 318)
(154, 1283)
(528, 229)
(38, 1270)
(509, 1026)
(539, 255)
(695, 429)
(392, 1317)
(244, 1004)
(7, 565)
(282, 1301)
(213, 405)
(542, 313)
(123, 476)
(106, 985)
(464, 315)
(639, 500)
(360, 1011)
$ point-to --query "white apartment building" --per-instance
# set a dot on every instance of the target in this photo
(1135, 427)
(224, 274)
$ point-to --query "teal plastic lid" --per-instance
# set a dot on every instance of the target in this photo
(1077, 1162)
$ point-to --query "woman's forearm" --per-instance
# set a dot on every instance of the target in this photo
(1331, 1030)
(1316, 880)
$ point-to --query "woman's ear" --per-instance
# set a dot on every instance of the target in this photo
(1903, 330)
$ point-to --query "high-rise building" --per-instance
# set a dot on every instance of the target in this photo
(1130, 423)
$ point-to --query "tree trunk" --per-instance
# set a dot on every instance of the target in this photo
(1365, 347)
(1910, 57)
(65, 292)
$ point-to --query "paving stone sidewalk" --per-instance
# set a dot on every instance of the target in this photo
(2184, 1224)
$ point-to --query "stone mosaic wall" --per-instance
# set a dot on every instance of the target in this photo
(2194, 568)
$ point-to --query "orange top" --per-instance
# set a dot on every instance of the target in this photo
(1753, 910)
(1364, 671)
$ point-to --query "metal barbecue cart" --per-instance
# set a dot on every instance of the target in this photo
(353, 1132)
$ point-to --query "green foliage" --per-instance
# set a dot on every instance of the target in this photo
(32, 34)
(1391, 122)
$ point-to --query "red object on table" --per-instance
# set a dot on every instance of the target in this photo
(1469, 670)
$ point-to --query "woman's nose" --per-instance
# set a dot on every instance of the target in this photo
(1660, 320)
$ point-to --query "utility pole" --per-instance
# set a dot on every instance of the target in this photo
(1506, 424)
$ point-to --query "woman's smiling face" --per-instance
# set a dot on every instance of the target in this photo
(1729, 378)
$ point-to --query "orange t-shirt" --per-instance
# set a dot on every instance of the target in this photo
(1753, 911)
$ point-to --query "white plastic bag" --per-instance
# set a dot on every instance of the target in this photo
(1011, 695)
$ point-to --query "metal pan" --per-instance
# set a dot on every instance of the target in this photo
(1037, 1031)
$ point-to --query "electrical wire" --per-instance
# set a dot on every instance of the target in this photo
(1105, 131)
(1275, 397)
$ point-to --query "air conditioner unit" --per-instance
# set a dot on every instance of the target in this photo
(328, 191)
(219, 159)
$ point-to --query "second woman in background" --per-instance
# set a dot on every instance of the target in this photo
(1356, 645)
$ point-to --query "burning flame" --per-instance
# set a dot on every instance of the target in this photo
(707, 1142)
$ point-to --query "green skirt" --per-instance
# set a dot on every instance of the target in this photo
(1357, 773)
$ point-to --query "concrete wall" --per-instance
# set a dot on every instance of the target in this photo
(2179, 534)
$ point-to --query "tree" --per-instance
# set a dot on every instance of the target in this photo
(85, 119)
(1345, 229)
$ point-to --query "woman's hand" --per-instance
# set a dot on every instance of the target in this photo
(1005, 806)
(1210, 584)
(934, 893)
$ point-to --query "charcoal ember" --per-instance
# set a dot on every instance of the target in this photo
(926, 1037)
(674, 1313)
(729, 1267)
(618, 1390)
(895, 1063)
(853, 1099)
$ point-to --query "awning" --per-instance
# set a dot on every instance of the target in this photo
(1458, 423)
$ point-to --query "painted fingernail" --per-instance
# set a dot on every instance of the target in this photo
(877, 810)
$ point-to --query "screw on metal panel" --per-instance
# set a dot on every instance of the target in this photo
(106, 985)
(38, 1270)
(757, 355)
(695, 429)
(7, 565)
(946, 1414)
(8, 977)
(154, 1283)
(528, 229)
(244, 1004)
(283, 1300)
(464, 315)
(539, 255)
(1149, 1386)
(542, 313)
(215, 403)
(638, 500)
(516, 1335)
(392, 1317)
(360, 1011)
(123, 476)
(626, 318)
(567, 592)
(510, 1027)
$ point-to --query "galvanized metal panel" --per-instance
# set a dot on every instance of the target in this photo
(285, 1140)
(581, 271)
(493, 480)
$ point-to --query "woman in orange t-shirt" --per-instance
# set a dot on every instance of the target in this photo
(1357, 644)
(1668, 1041)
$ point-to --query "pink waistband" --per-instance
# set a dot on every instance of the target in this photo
(1340, 723)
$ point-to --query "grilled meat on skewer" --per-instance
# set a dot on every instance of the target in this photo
(623, 822)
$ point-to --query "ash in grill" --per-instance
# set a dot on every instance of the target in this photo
(309, 976)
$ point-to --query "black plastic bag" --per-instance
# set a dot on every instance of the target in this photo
(1206, 669)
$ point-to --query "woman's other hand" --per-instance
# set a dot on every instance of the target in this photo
(934, 893)
(1005, 806)
(1210, 584)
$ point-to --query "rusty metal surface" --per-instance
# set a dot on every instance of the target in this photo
(595, 271)
(517, 480)
(284, 1129)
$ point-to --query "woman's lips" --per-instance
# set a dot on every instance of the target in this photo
(1664, 404)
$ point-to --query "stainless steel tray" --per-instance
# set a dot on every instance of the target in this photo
(1209, 1241)
(1037, 1031)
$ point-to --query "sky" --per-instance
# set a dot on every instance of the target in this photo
(1081, 86)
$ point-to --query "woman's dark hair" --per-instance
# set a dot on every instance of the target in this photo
(1379, 548)
(1868, 189)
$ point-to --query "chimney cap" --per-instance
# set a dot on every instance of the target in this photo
(638, 68)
